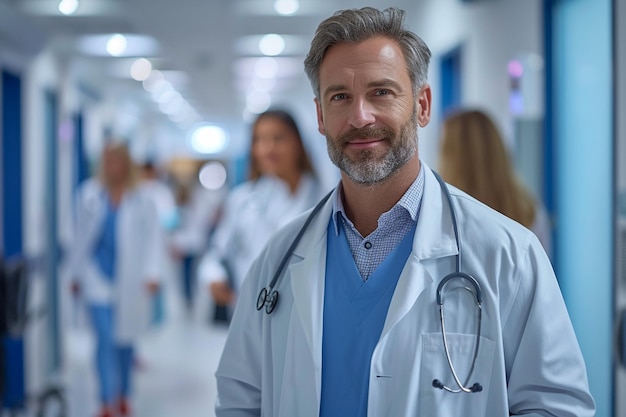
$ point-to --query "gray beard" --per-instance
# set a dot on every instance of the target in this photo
(369, 170)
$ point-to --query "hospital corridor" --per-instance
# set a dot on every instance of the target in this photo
(379, 208)
(176, 364)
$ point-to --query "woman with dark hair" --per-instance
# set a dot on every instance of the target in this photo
(281, 185)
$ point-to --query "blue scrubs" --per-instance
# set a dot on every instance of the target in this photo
(114, 361)
(354, 316)
(104, 251)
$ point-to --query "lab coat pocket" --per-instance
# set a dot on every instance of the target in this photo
(439, 402)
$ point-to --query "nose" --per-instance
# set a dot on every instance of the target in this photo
(361, 113)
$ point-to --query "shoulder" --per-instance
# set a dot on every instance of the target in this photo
(278, 244)
(142, 196)
(89, 191)
(242, 192)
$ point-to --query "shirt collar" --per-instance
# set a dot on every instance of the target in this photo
(410, 201)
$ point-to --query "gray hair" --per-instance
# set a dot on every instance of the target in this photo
(357, 25)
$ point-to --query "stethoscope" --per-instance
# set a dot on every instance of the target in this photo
(476, 292)
(268, 296)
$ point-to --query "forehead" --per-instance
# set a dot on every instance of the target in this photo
(114, 152)
(269, 123)
(374, 58)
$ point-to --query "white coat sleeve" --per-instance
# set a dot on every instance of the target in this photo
(155, 243)
(211, 268)
(239, 373)
(77, 249)
(545, 367)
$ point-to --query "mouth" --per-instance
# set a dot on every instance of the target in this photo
(364, 143)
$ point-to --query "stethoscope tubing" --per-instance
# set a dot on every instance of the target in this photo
(478, 298)
(268, 296)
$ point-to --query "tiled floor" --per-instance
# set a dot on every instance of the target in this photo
(175, 377)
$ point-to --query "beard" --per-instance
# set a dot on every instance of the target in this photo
(368, 167)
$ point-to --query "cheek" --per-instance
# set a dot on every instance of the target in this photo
(288, 152)
(257, 151)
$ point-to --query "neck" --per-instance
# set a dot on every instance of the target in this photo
(116, 192)
(364, 204)
(292, 180)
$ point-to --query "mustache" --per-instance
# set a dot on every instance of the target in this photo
(366, 133)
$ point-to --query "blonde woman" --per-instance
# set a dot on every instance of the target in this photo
(115, 262)
(474, 158)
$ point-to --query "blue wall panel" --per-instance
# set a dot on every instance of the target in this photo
(11, 164)
(583, 137)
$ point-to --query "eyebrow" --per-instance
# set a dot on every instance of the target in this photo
(378, 83)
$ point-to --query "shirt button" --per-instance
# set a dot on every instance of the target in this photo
(368, 245)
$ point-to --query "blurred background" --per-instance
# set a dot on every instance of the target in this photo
(181, 83)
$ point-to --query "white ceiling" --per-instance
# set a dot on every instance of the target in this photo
(206, 48)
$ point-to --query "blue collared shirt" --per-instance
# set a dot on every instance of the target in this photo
(370, 251)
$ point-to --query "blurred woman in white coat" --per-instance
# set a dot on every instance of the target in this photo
(115, 263)
(282, 184)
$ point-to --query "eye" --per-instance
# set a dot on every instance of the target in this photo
(382, 92)
(338, 97)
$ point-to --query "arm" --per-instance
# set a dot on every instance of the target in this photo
(78, 249)
(545, 367)
(211, 268)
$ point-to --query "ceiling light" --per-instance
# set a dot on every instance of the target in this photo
(272, 44)
(212, 175)
(165, 95)
(116, 45)
(209, 139)
(140, 69)
(130, 45)
(68, 7)
(286, 7)
(173, 106)
(151, 83)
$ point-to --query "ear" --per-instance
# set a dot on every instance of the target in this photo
(320, 117)
(424, 102)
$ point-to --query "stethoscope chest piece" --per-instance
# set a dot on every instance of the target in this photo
(268, 296)
(267, 299)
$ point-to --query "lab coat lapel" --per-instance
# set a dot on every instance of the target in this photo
(434, 238)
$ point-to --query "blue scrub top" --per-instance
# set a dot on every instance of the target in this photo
(104, 250)
(354, 316)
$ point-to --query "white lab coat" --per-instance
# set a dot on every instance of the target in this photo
(139, 256)
(529, 361)
(164, 201)
(252, 213)
(198, 217)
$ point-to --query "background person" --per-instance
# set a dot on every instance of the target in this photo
(282, 184)
(115, 261)
(357, 331)
(200, 211)
(474, 158)
(163, 199)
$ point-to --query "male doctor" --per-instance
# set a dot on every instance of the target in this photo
(357, 329)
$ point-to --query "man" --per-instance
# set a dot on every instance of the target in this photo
(356, 330)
